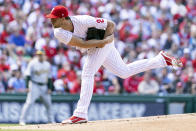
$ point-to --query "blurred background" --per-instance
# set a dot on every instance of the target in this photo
(143, 28)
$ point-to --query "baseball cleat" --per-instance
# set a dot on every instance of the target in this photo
(170, 60)
(74, 120)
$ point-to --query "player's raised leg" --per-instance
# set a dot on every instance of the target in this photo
(33, 94)
(95, 59)
(116, 65)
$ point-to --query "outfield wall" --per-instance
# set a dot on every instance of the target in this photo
(101, 108)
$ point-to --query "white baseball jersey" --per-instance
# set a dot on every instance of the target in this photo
(39, 71)
(81, 24)
(107, 56)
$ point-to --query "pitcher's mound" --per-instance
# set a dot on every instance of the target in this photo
(182, 122)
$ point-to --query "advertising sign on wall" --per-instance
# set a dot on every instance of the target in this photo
(10, 111)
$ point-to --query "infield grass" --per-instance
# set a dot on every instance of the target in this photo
(8, 125)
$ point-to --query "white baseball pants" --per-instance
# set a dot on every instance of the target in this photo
(110, 58)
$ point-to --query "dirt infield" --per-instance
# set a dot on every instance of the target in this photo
(183, 122)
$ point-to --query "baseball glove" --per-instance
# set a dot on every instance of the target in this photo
(94, 33)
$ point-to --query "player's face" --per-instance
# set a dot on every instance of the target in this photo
(41, 57)
(53, 21)
(56, 22)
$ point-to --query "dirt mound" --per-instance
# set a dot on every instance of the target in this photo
(182, 122)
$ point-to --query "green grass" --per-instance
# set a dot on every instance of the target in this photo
(7, 125)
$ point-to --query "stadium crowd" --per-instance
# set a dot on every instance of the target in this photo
(143, 28)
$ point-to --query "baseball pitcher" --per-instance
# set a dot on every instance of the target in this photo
(39, 84)
(76, 31)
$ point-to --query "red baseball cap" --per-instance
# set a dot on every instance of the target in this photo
(58, 11)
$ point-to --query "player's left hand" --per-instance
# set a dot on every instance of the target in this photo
(107, 40)
(49, 91)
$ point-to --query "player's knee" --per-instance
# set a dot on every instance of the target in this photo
(123, 76)
(124, 73)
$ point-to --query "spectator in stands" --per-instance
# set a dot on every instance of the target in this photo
(6, 13)
(50, 46)
(2, 83)
(179, 88)
(60, 58)
(76, 85)
(17, 83)
(74, 58)
(189, 84)
(148, 85)
(114, 88)
(165, 81)
(59, 85)
(176, 80)
(98, 87)
(193, 86)
(3, 65)
(187, 78)
(64, 70)
(4, 35)
(186, 59)
(168, 42)
(131, 84)
(194, 61)
(17, 38)
(109, 81)
(72, 82)
(192, 40)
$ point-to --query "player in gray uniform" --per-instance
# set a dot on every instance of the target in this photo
(39, 84)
